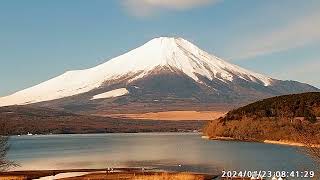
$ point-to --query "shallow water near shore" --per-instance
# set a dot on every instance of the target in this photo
(164, 151)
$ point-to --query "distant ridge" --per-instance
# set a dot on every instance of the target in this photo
(21, 120)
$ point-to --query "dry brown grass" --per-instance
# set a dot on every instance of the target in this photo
(13, 178)
(173, 115)
(139, 176)
(261, 129)
(104, 174)
(167, 176)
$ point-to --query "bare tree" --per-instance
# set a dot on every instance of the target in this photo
(311, 141)
(5, 164)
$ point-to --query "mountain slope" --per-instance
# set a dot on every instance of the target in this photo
(164, 70)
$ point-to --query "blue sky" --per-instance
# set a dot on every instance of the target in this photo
(42, 39)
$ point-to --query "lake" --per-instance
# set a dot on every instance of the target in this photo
(166, 151)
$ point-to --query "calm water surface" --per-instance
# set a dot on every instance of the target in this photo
(160, 150)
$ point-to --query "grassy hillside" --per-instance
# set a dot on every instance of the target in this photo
(277, 118)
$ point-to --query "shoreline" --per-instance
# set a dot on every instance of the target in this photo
(281, 142)
(290, 143)
(103, 174)
(109, 133)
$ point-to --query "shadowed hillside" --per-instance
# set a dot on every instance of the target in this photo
(296, 105)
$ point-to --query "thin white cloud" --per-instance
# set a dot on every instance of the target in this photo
(307, 72)
(142, 8)
(299, 32)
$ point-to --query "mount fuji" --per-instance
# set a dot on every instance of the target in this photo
(163, 74)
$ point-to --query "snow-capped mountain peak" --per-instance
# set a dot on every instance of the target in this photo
(180, 54)
(174, 53)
